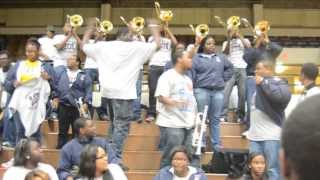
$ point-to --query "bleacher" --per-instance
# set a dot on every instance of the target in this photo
(140, 152)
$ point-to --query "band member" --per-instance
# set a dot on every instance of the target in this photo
(156, 67)
(71, 85)
(67, 44)
(234, 48)
(48, 51)
(27, 81)
(267, 115)
(210, 71)
(7, 125)
(176, 106)
(120, 59)
(263, 48)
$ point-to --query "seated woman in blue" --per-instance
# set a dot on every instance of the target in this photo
(180, 169)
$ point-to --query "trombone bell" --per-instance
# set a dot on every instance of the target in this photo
(202, 30)
(75, 20)
(233, 22)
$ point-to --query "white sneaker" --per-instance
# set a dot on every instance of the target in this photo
(245, 134)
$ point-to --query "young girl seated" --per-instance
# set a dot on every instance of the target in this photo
(257, 167)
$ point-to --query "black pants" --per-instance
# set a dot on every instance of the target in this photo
(66, 115)
(154, 74)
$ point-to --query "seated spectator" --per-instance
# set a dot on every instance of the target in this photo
(257, 167)
(37, 175)
(27, 156)
(180, 168)
(299, 156)
(85, 132)
(94, 165)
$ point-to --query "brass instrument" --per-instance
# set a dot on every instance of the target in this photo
(201, 30)
(104, 26)
(199, 130)
(247, 24)
(136, 22)
(233, 23)
(82, 111)
(75, 20)
(163, 15)
(218, 18)
(262, 27)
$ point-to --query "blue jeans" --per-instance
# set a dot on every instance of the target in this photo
(162, 138)
(121, 116)
(9, 133)
(239, 79)
(250, 90)
(214, 99)
(270, 149)
(94, 75)
(20, 130)
(177, 137)
(136, 105)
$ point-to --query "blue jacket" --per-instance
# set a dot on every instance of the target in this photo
(253, 55)
(81, 87)
(70, 155)
(272, 97)
(165, 174)
(12, 76)
(211, 73)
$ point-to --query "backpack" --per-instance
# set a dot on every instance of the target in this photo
(228, 161)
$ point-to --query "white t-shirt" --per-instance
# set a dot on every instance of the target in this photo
(19, 173)
(191, 171)
(69, 49)
(178, 87)
(297, 99)
(90, 63)
(262, 128)
(119, 64)
(48, 48)
(72, 75)
(236, 51)
(161, 57)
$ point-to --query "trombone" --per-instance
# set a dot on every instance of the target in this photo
(136, 22)
(232, 23)
(201, 30)
(82, 111)
(199, 130)
(163, 15)
(104, 26)
(75, 20)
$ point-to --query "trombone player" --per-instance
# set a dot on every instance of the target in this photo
(157, 64)
(234, 47)
(68, 43)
